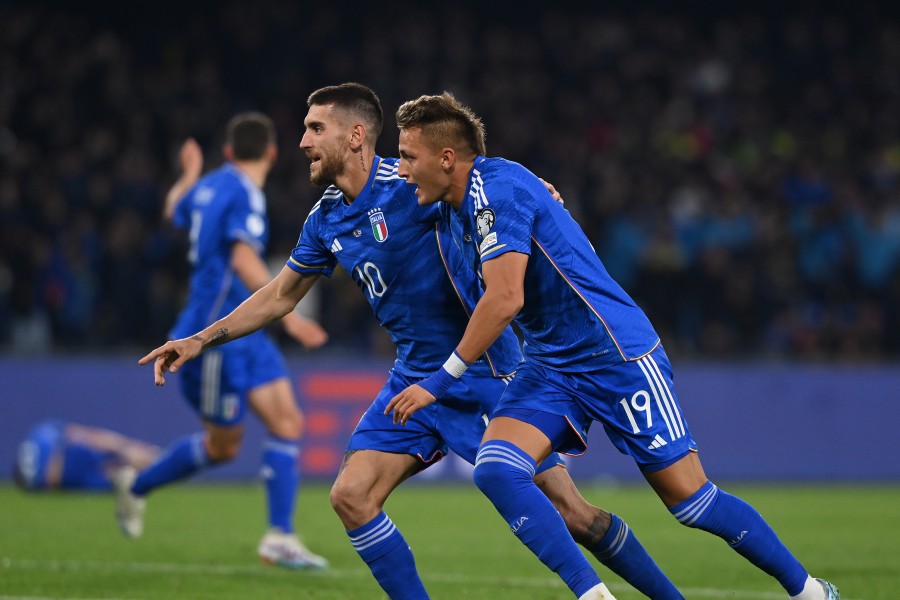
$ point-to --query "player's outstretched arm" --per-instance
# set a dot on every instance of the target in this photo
(269, 303)
(254, 273)
(502, 300)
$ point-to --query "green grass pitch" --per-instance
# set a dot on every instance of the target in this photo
(200, 543)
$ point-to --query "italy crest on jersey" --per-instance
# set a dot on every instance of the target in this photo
(379, 225)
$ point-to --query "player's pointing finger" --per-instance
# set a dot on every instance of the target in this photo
(153, 354)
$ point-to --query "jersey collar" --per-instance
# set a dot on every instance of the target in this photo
(363, 197)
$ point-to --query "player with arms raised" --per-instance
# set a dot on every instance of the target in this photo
(225, 212)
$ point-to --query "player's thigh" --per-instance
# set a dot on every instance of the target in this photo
(463, 412)
(537, 412)
(678, 481)
(216, 384)
(524, 436)
(275, 405)
(365, 480)
(420, 437)
(640, 412)
(258, 371)
(371, 475)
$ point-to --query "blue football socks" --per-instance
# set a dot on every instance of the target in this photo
(282, 476)
(183, 458)
(744, 529)
(622, 553)
(381, 545)
(505, 474)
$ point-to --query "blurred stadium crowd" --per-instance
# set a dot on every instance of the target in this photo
(739, 173)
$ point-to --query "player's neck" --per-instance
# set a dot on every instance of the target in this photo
(256, 170)
(355, 176)
(459, 183)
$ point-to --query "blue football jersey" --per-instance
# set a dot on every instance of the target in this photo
(404, 261)
(575, 316)
(224, 207)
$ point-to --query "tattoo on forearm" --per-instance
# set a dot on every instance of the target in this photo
(219, 337)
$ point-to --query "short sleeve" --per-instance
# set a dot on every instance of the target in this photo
(311, 255)
(244, 223)
(504, 221)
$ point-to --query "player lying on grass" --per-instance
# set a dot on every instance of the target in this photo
(59, 455)
(402, 257)
(591, 354)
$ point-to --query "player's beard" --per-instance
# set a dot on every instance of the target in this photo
(330, 168)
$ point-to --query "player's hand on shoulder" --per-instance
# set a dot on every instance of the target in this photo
(306, 331)
(408, 402)
(553, 191)
(171, 355)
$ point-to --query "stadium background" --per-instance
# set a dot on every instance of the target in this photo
(738, 171)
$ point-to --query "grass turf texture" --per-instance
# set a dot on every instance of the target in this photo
(200, 542)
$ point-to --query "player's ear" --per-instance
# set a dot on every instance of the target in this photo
(448, 159)
(228, 152)
(357, 135)
(272, 153)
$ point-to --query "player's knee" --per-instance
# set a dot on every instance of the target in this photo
(299, 424)
(352, 502)
(502, 469)
(289, 425)
(484, 478)
(222, 450)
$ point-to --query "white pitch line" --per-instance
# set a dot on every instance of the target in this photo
(53, 598)
(195, 569)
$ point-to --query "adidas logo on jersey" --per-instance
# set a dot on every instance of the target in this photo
(658, 442)
(336, 246)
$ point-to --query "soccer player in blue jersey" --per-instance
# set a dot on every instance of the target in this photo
(59, 455)
(406, 265)
(590, 354)
(225, 213)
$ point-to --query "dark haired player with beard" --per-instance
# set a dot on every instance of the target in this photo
(421, 291)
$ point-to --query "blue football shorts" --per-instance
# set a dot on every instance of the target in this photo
(635, 401)
(217, 383)
(456, 422)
